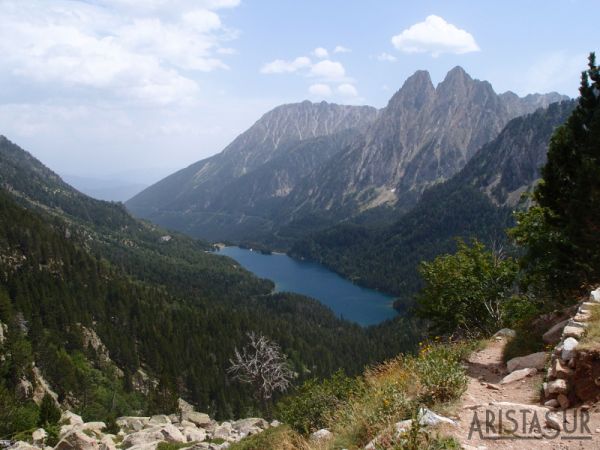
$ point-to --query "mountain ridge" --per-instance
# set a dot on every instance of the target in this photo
(268, 179)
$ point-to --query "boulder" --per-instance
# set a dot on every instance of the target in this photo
(552, 403)
(107, 443)
(146, 446)
(194, 434)
(94, 427)
(244, 426)
(595, 295)
(184, 406)
(200, 419)
(172, 433)
(132, 423)
(159, 419)
(568, 348)
(321, 435)
(559, 370)
(429, 418)
(553, 422)
(558, 387)
(402, 426)
(141, 438)
(21, 445)
(573, 332)
(275, 423)
(223, 431)
(77, 440)
(506, 332)
(518, 375)
(534, 360)
(39, 436)
(552, 336)
(69, 418)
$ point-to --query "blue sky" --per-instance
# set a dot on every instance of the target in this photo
(135, 88)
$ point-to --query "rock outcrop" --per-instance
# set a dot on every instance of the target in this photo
(188, 429)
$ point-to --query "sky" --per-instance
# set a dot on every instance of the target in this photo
(135, 89)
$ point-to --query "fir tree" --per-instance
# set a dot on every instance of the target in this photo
(569, 194)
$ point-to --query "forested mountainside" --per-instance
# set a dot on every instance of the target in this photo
(121, 317)
(475, 203)
(303, 167)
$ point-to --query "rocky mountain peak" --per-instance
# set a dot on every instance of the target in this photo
(416, 91)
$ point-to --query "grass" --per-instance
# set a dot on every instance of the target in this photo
(591, 339)
(279, 438)
(391, 392)
(173, 445)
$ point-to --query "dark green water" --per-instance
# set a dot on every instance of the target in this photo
(352, 302)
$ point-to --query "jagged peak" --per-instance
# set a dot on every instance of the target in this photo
(416, 90)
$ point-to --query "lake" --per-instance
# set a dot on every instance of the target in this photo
(347, 300)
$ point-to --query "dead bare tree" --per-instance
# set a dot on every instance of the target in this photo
(262, 364)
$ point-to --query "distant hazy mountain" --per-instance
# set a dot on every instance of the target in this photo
(305, 166)
(105, 189)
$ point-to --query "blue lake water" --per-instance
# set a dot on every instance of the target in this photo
(347, 300)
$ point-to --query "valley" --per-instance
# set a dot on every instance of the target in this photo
(348, 301)
(245, 225)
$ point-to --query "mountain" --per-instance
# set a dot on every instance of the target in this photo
(477, 202)
(105, 189)
(114, 316)
(306, 166)
(279, 132)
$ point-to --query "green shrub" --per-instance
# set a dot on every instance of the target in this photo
(466, 291)
(49, 412)
(16, 416)
(440, 372)
(309, 409)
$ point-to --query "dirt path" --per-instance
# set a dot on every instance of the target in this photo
(487, 407)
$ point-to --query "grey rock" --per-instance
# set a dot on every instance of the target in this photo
(321, 435)
(200, 419)
(558, 387)
(552, 336)
(506, 332)
(77, 440)
(568, 348)
(39, 436)
(534, 360)
(518, 375)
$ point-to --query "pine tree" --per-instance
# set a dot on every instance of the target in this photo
(562, 234)
(49, 412)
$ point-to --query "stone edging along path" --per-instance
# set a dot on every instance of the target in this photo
(574, 373)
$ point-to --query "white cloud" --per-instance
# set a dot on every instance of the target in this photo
(328, 69)
(283, 66)
(320, 90)
(113, 49)
(341, 49)
(347, 90)
(435, 36)
(202, 20)
(386, 57)
(320, 52)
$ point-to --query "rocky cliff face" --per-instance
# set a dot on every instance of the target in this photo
(425, 135)
(331, 161)
(509, 165)
(277, 133)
